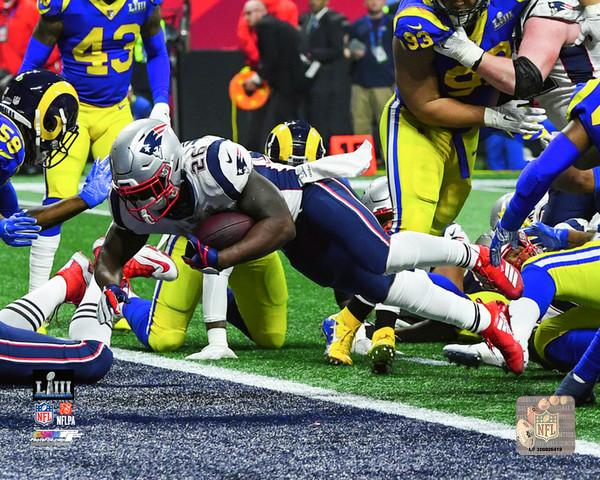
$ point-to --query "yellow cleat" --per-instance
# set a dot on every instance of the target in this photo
(383, 351)
(122, 325)
(43, 330)
(344, 330)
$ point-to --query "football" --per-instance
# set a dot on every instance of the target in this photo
(223, 229)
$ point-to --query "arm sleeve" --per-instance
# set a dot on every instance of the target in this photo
(159, 69)
(36, 55)
(536, 178)
(214, 296)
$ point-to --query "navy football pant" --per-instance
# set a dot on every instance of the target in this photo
(22, 351)
(339, 242)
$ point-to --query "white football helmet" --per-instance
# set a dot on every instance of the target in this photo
(377, 199)
(146, 167)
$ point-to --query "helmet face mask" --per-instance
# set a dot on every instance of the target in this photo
(151, 200)
(294, 143)
(45, 107)
(461, 16)
(145, 160)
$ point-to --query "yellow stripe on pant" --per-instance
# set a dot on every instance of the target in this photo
(98, 129)
(424, 169)
(259, 287)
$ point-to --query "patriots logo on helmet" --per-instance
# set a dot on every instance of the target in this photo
(153, 141)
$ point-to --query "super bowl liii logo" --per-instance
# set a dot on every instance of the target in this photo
(53, 397)
(545, 425)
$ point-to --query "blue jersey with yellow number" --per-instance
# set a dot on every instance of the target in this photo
(12, 149)
(418, 25)
(585, 106)
(97, 43)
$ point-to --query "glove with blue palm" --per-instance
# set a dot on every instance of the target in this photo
(19, 230)
(97, 183)
(549, 237)
(501, 238)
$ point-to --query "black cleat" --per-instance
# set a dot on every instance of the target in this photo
(583, 393)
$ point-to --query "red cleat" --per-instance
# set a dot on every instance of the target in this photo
(499, 334)
(506, 278)
(150, 262)
(77, 274)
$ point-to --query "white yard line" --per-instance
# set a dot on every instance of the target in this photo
(285, 386)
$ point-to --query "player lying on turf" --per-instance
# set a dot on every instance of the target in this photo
(581, 133)
(38, 114)
(22, 350)
(326, 233)
(560, 288)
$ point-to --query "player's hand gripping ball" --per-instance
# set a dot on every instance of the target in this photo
(215, 233)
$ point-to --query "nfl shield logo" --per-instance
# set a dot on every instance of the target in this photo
(546, 425)
(44, 413)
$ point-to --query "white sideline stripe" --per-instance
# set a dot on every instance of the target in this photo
(472, 424)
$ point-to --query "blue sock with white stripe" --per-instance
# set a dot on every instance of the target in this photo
(588, 368)
(567, 350)
(137, 314)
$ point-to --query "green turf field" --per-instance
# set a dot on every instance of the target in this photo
(486, 393)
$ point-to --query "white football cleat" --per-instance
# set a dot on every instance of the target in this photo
(150, 262)
(361, 344)
(474, 355)
(213, 352)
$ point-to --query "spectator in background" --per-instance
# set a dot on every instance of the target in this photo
(503, 152)
(285, 10)
(280, 65)
(18, 18)
(327, 101)
(372, 68)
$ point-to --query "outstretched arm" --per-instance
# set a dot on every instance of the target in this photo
(158, 66)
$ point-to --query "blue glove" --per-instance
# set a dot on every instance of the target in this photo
(200, 256)
(501, 238)
(109, 305)
(548, 237)
(97, 184)
(19, 230)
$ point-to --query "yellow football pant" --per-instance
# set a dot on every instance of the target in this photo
(576, 276)
(259, 288)
(98, 129)
(428, 169)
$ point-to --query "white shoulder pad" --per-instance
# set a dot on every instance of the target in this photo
(568, 10)
(229, 164)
